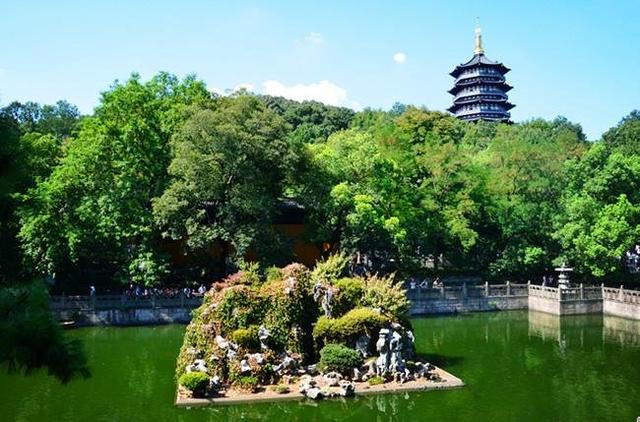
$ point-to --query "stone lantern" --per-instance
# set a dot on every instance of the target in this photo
(563, 276)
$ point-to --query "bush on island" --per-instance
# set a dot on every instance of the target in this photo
(339, 358)
(281, 389)
(247, 338)
(348, 294)
(350, 326)
(196, 382)
(376, 380)
(247, 383)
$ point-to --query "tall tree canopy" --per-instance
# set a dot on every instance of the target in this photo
(230, 166)
(95, 208)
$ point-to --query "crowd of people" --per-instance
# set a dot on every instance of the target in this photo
(632, 259)
(137, 291)
(425, 284)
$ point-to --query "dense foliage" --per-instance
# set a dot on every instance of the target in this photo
(243, 328)
(165, 178)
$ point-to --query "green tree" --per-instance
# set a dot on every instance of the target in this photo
(229, 170)
(94, 210)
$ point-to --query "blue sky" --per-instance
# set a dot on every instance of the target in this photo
(580, 59)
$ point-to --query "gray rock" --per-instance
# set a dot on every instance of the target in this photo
(332, 379)
(362, 345)
(347, 388)
(312, 369)
(221, 342)
(314, 393)
(244, 366)
(198, 365)
(357, 374)
(263, 335)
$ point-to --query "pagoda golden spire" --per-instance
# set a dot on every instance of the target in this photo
(478, 49)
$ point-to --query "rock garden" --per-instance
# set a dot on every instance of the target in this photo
(296, 332)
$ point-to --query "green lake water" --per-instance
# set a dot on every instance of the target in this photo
(518, 366)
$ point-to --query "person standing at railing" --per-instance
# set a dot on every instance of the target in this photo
(92, 291)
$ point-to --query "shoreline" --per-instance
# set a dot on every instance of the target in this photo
(448, 382)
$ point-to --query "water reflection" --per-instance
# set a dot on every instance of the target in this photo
(625, 332)
(577, 328)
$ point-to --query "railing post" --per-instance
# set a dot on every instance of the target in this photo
(508, 288)
(486, 288)
(182, 300)
(581, 291)
(621, 293)
(464, 290)
(559, 293)
(442, 292)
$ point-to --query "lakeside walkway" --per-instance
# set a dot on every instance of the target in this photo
(131, 310)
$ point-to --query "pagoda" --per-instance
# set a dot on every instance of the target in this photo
(480, 89)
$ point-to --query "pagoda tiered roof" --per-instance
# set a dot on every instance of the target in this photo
(480, 89)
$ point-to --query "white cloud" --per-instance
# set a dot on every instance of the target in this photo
(324, 91)
(246, 85)
(314, 38)
(400, 57)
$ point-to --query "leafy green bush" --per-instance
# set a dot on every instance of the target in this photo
(375, 380)
(383, 293)
(246, 337)
(247, 383)
(196, 382)
(273, 274)
(348, 294)
(329, 270)
(350, 326)
(338, 358)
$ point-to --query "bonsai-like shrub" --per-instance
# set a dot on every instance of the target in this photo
(339, 358)
(247, 383)
(246, 338)
(348, 294)
(330, 269)
(196, 382)
(384, 294)
(376, 380)
(350, 326)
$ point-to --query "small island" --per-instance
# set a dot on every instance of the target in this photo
(295, 332)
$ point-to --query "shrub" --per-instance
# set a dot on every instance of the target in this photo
(339, 358)
(383, 293)
(350, 326)
(328, 271)
(281, 389)
(247, 383)
(273, 274)
(375, 380)
(196, 382)
(348, 295)
(246, 337)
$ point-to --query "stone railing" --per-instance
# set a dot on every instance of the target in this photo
(103, 302)
(463, 291)
(568, 294)
(543, 291)
(621, 295)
